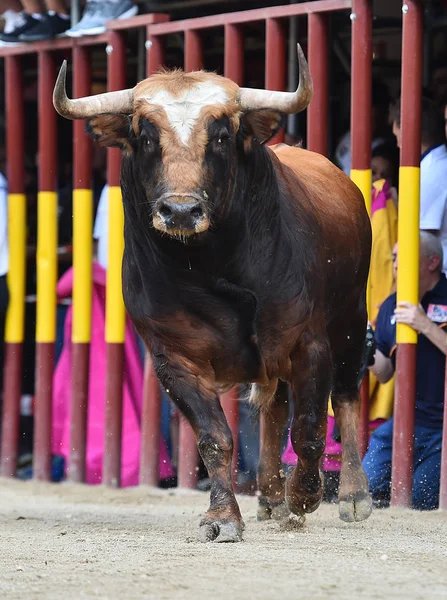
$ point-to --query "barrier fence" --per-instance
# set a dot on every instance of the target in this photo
(157, 28)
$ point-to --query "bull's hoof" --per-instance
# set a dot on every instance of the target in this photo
(355, 507)
(220, 531)
(301, 500)
(268, 510)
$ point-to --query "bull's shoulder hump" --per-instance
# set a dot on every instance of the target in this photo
(315, 170)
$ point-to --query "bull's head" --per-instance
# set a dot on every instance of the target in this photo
(180, 130)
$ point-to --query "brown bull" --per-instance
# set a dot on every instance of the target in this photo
(242, 263)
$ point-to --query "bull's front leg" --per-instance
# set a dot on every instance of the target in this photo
(271, 501)
(311, 384)
(200, 405)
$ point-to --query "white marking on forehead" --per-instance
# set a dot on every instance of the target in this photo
(184, 110)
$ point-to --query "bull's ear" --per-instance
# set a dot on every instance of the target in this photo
(261, 125)
(111, 130)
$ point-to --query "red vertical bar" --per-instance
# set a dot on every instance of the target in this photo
(410, 156)
(82, 150)
(317, 113)
(116, 76)
(155, 53)
(45, 350)
(234, 54)
(187, 456)
(361, 116)
(230, 406)
(13, 351)
(361, 85)
(193, 50)
(233, 69)
(275, 62)
(443, 484)
(150, 427)
(80, 351)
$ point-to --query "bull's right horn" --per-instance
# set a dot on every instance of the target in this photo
(287, 102)
(90, 106)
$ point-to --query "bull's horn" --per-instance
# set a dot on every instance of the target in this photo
(288, 102)
(90, 106)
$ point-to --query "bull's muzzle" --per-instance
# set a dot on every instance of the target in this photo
(180, 214)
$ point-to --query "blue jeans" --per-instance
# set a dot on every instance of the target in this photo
(426, 469)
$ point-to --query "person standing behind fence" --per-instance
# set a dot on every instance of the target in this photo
(429, 320)
(433, 211)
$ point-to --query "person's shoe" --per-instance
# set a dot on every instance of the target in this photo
(49, 27)
(97, 14)
(23, 23)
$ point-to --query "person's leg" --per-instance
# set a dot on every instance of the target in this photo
(33, 7)
(427, 468)
(14, 5)
(377, 462)
(58, 6)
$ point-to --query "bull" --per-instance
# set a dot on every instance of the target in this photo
(243, 263)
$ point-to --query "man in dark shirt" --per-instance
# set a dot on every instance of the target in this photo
(429, 319)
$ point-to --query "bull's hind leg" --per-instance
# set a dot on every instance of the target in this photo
(271, 502)
(347, 343)
(311, 384)
(201, 407)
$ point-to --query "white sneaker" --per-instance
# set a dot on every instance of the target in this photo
(97, 14)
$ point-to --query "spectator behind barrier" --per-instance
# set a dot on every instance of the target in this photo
(26, 21)
(433, 216)
(429, 320)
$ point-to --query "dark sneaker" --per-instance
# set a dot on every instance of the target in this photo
(50, 26)
(97, 14)
(23, 25)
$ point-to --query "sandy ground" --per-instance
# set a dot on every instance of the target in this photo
(65, 541)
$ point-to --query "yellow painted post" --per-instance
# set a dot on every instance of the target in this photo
(15, 318)
(115, 311)
(408, 236)
(82, 264)
(46, 267)
(408, 255)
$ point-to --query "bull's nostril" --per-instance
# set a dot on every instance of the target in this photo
(165, 212)
(196, 212)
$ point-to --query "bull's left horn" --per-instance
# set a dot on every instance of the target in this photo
(288, 102)
(90, 106)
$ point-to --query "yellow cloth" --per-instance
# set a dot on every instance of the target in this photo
(384, 237)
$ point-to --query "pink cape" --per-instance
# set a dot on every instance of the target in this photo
(332, 451)
(132, 392)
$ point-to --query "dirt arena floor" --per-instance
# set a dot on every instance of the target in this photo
(65, 541)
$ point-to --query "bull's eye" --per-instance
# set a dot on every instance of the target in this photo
(224, 137)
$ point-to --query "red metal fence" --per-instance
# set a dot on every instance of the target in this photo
(158, 27)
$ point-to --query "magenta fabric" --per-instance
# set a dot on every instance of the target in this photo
(132, 392)
(380, 197)
(332, 451)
